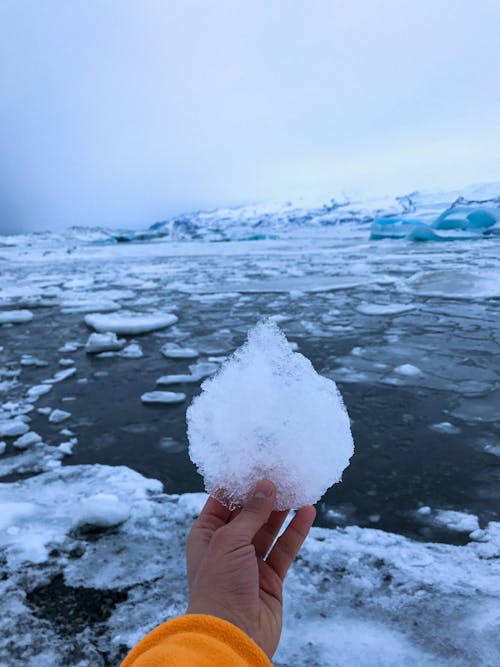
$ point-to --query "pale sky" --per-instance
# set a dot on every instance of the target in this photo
(123, 112)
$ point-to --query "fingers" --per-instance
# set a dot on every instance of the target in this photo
(268, 533)
(254, 513)
(287, 546)
(212, 516)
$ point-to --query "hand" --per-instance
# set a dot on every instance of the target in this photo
(230, 573)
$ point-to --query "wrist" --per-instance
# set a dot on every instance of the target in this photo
(211, 608)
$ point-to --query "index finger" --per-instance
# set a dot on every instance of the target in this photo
(213, 516)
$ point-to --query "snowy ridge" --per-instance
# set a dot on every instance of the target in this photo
(274, 220)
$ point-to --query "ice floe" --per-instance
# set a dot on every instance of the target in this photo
(38, 390)
(384, 308)
(26, 440)
(445, 427)
(129, 324)
(163, 397)
(131, 351)
(15, 316)
(30, 360)
(10, 428)
(104, 342)
(60, 376)
(173, 351)
(407, 369)
(57, 416)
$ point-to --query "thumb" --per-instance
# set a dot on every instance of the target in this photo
(254, 513)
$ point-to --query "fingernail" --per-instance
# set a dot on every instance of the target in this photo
(264, 489)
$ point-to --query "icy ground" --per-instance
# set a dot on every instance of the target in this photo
(405, 568)
(79, 586)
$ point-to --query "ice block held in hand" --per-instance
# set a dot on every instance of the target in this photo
(268, 414)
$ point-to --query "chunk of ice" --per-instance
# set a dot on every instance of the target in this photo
(57, 416)
(445, 427)
(268, 414)
(163, 397)
(15, 316)
(103, 342)
(459, 521)
(129, 324)
(132, 351)
(61, 375)
(203, 369)
(38, 390)
(10, 428)
(408, 369)
(3, 447)
(30, 360)
(26, 440)
(384, 308)
(173, 351)
(71, 346)
(103, 510)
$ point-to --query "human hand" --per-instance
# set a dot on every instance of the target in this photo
(231, 574)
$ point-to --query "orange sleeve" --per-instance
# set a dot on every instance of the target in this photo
(196, 640)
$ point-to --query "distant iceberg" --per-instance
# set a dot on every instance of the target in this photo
(463, 220)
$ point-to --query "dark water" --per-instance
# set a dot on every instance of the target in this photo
(399, 464)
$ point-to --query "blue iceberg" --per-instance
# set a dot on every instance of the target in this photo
(457, 223)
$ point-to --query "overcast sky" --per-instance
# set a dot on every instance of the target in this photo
(123, 112)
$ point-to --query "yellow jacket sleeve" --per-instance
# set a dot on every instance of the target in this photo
(196, 640)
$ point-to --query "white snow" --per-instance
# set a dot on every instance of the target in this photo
(163, 397)
(10, 428)
(66, 362)
(15, 316)
(102, 510)
(267, 413)
(103, 342)
(355, 597)
(57, 416)
(384, 308)
(173, 351)
(26, 440)
(459, 521)
(129, 324)
(408, 369)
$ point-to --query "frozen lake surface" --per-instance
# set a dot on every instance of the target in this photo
(404, 564)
